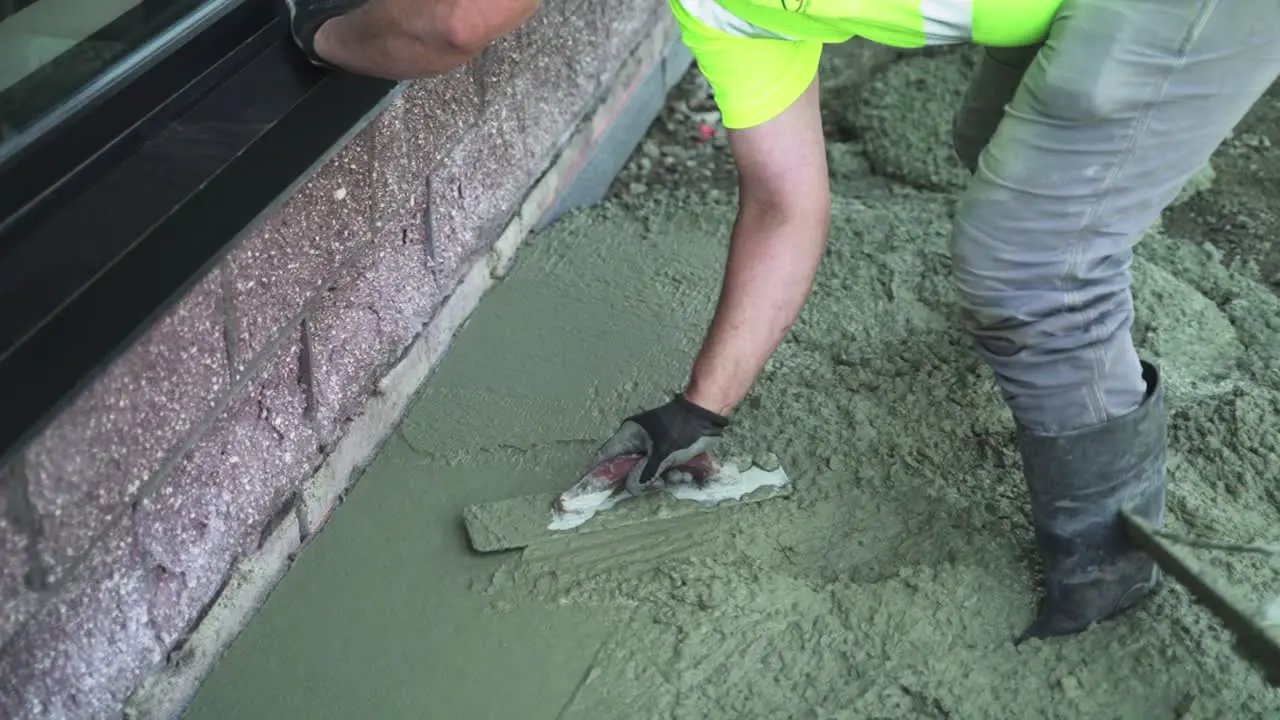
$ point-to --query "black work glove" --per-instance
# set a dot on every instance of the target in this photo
(667, 436)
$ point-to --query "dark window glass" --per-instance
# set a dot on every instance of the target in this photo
(58, 55)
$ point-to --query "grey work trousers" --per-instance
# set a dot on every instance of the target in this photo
(1076, 147)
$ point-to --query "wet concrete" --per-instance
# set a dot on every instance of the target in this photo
(892, 581)
(380, 617)
(385, 615)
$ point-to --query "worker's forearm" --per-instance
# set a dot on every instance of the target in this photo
(402, 40)
(366, 42)
(773, 257)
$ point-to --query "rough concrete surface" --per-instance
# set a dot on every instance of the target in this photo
(84, 470)
(366, 320)
(16, 577)
(273, 275)
(927, 90)
(211, 511)
(97, 642)
(892, 581)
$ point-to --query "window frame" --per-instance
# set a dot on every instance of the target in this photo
(124, 201)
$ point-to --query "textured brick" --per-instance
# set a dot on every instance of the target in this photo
(86, 650)
(535, 83)
(89, 463)
(362, 326)
(584, 25)
(574, 21)
(476, 190)
(16, 600)
(559, 83)
(505, 59)
(286, 260)
(414, 135)
(622, 26)
(212, 509)
(143, 584)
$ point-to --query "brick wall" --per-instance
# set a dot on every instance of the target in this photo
(144, 526)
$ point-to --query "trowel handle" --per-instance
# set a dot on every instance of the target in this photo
(1253, 641)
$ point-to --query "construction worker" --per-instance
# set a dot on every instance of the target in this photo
(401, 39)
(1083, 121)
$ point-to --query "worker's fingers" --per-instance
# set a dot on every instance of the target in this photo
(630, 439)
(640, 477)
(662, 459)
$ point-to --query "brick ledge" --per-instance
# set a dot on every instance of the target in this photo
(167, 693)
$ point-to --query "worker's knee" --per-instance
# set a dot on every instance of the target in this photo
(1087, 92)
(993, 307)
(1057, 341)
(1020, 297)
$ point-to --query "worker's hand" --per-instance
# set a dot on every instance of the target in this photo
(666, 436)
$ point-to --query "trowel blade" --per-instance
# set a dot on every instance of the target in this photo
(518, 522)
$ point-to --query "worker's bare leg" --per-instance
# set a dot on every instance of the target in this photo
(402, 39)
(1124, 102)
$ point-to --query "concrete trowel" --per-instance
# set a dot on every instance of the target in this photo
(601, 501)
(1254, 629)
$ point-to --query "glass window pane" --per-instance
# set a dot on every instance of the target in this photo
(52, 50)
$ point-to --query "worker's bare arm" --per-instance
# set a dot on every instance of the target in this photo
(408, 39)
(777, 243)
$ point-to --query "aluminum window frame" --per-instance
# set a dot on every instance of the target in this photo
(123, 212)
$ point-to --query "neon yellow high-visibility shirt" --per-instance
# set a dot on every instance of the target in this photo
(760, 55)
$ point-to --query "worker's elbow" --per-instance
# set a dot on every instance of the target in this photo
(472, 26)
(806, 207)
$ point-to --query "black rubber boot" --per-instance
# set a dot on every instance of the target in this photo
(1078, 484)
(306, 17)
